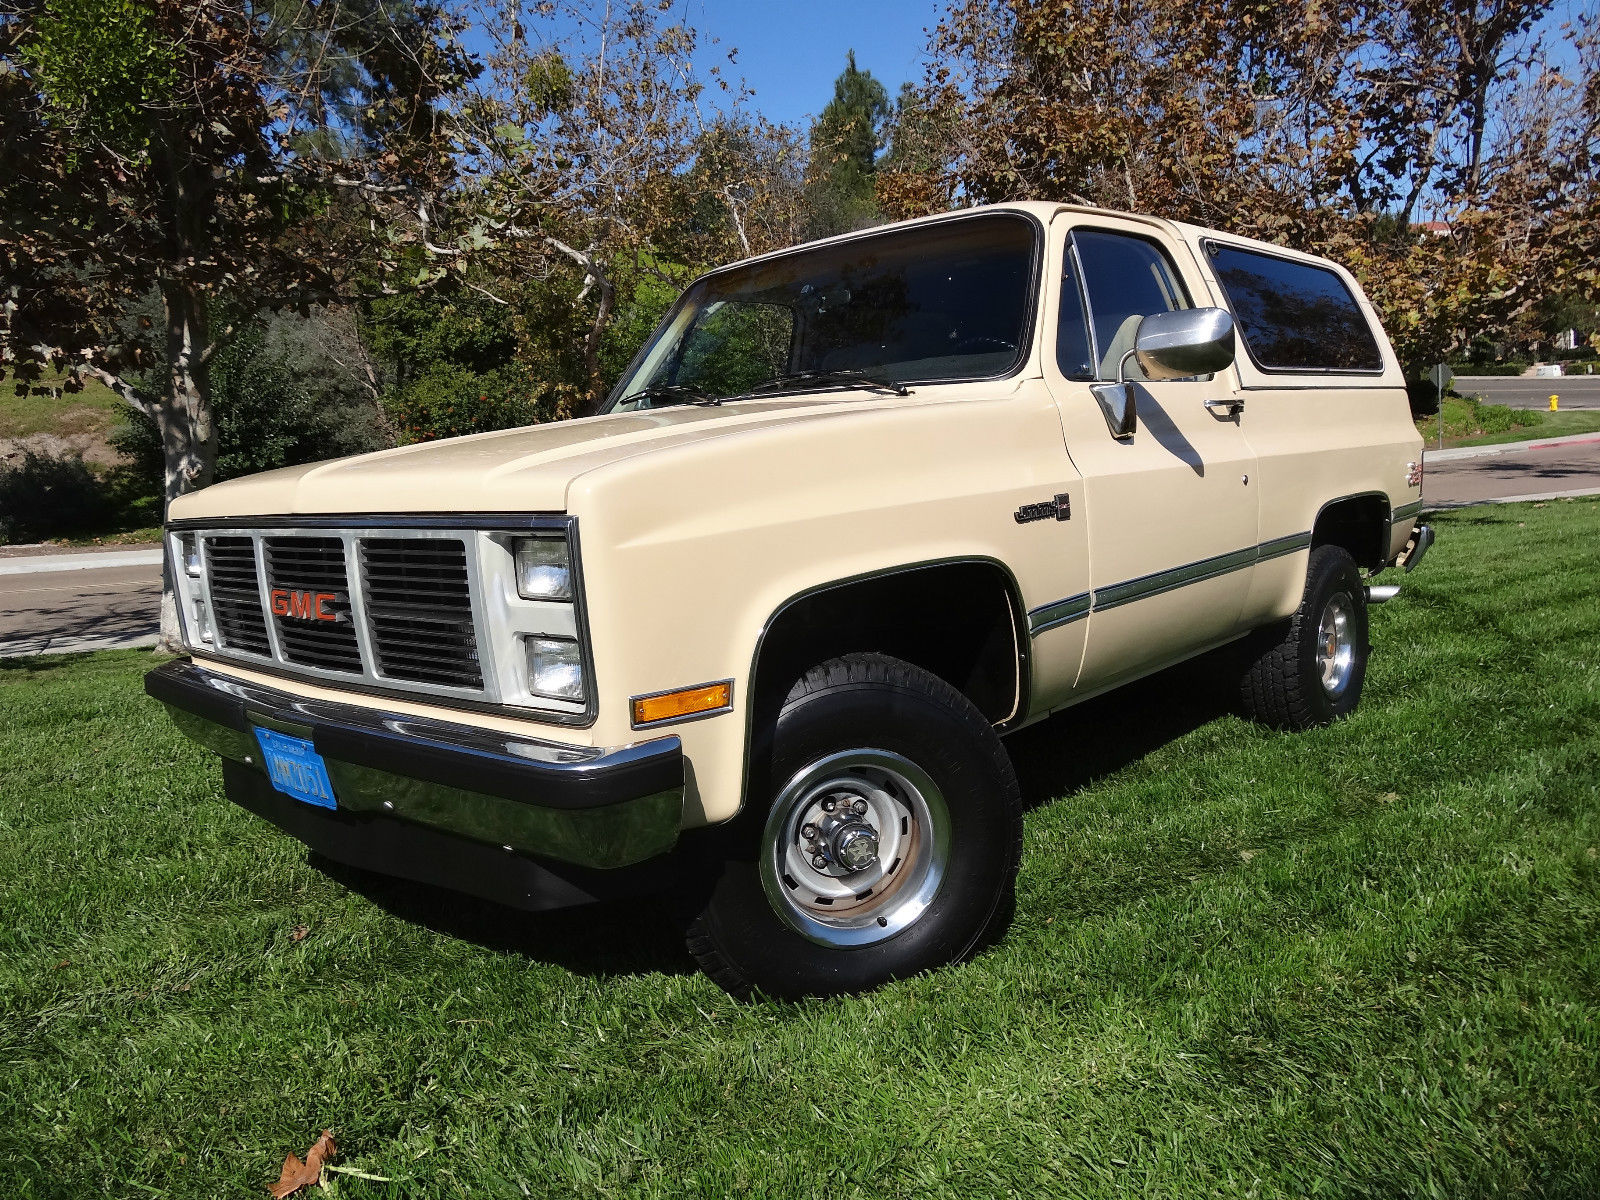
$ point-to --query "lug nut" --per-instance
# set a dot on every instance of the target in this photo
(859, 807)
(829, 804)
(808, 832)
(819, 862)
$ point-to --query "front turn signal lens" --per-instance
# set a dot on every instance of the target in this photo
(687, 702)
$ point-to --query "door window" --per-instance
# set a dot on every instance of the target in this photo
(1126, 278)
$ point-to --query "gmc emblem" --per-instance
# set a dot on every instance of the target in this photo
(304, 606)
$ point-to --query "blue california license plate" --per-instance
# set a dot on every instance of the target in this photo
(295, 768)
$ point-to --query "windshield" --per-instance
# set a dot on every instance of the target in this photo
(933, 303)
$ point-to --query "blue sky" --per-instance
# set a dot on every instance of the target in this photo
(790, 51)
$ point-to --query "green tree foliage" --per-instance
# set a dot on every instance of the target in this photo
(248, 151)
(602, 179)
(286, 390)
(845, 141)
(1333, 127)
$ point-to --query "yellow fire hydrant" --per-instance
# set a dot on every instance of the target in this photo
(1555, 403)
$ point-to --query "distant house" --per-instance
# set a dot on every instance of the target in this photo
(1435, 228)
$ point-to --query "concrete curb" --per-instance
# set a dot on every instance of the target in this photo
(1460, 452)
(1511, 499)
(41, 564)
(32, 647)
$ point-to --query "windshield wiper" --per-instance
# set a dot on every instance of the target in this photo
(860, 379)
(675, 393)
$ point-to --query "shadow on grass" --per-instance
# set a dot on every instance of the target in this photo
(619, 937)
(1074, 749)
(645, 934)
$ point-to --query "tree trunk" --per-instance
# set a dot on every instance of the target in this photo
(591, 344)
(183, 417)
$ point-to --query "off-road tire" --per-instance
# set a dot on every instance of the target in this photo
(1282, 686)
(738, 935)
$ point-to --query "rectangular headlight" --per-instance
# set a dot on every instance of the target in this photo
(555, 668)
(190, 545)
(544, 568)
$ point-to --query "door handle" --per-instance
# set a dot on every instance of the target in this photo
(1228, 407)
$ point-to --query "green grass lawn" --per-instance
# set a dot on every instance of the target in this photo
(94, 410)
(1363, 961)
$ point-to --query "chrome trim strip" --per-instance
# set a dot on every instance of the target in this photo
(1278, 547)
(695, 716)
(1406, 510)
(1061, 612)
(1131, 590)
(397, 520)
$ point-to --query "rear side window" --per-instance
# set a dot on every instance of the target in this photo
(1294, 316)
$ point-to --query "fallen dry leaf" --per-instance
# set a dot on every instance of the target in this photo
(1388, 797)
(298, 932)
(1247, 855)
(297, 1174)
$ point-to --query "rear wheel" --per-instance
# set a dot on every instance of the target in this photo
(889, 840)
(1309, 670)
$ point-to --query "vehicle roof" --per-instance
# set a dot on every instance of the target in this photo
(1042, 210)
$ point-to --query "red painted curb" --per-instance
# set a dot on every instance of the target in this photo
(1588, 441)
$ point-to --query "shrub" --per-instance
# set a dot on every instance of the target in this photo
(450, 400)
(1510, 367)
(44, 496)
(280, 399)
(1467, 416)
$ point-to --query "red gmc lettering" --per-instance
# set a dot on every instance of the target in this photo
(304, 606)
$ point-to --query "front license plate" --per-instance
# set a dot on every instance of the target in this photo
(295, 768)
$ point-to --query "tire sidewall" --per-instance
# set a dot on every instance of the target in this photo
(1332, 571)
(984, 812)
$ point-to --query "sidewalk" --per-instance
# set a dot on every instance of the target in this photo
(90, 558)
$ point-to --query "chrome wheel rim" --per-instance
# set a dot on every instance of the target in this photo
(1336, 648)
(855, 848)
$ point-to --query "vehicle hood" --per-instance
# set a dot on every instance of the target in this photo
(512, 470)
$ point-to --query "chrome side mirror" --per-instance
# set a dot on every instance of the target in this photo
(1184, 343)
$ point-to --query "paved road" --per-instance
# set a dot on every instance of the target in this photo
(87, 607)
(1576, 391)
(1574, 467)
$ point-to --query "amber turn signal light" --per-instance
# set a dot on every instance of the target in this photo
(688, 702)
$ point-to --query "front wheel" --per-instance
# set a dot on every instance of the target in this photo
(1309, 670)
(889, 841)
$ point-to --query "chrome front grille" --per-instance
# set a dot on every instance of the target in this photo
(308, 586)
(382, 606)
(236, 595)
(412, 608)
(419, 609)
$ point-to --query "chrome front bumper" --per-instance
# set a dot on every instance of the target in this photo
(588, 806)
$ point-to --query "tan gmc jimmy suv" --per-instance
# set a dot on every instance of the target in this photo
(754, 633)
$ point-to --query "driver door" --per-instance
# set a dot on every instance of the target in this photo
(1171, 510)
